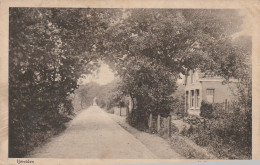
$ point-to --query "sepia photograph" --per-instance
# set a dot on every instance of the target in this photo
(126, 82)
(129, 83)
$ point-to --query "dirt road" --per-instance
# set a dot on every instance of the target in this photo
(93, 134)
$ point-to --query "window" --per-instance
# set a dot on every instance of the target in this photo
(192, 98)
(186, 100)
(210, 95)
(197, 98)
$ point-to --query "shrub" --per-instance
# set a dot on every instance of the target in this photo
(178, 102)
(228, 136)
(206, 109)
(35, 127)
(219, 110)
(138, 119)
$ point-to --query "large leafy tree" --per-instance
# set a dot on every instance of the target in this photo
(49, 50)
(149, 48)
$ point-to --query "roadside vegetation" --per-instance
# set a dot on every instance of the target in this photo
(46, 59)
(148, 49)
(83, 96)
(225, 134)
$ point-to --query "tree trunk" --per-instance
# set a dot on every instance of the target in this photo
(132, 99)
(158, 123)
(169, 125)
(150, 120)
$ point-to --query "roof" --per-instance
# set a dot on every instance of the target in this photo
(208, 74)
(205, 76)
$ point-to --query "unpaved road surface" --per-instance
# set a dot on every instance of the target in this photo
(159, 146)
(93, 134)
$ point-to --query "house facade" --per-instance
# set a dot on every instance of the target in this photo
(205, 86)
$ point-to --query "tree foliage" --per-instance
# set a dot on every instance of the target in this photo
(109, 95)
(49, 50)
(147, 48)
(85, 94)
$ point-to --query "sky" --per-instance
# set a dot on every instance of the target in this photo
(247, 28)
(102, 76)
(105, 76)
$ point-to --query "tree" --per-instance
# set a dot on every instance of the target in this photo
(149, 48)
(48, 54)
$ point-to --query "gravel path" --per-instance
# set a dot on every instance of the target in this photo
(93, 134)
(159, 146)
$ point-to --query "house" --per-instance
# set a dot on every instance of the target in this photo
(205, 86)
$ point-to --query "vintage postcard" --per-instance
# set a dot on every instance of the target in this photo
(124, 82)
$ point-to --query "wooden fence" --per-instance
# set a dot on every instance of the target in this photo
(121, 111)
(159, 123)
(227, 106)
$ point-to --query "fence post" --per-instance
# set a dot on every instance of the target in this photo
(127, 111)
(150, 120)
(120, 111)
(204, 122)
(158, 122)
(228, 106)
(225, 104)
(169, 125)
